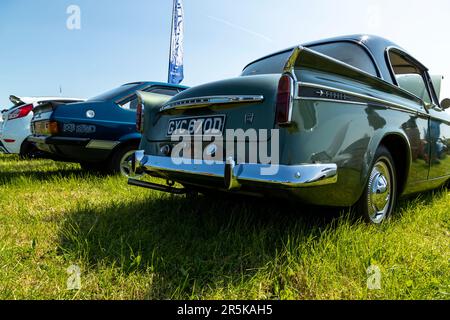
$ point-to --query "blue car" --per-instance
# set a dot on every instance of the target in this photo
(99, 133)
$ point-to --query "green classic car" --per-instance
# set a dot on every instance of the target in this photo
(353, 121)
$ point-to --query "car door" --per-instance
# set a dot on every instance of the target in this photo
(409, 75)
(438, 137)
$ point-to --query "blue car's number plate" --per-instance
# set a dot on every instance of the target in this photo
(206, 125)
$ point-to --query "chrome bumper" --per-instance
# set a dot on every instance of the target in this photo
(236, 175)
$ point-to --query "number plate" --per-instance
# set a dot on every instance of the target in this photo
(196, 126)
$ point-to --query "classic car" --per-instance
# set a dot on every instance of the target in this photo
(99, 133)
(15, 127)
(354, 121)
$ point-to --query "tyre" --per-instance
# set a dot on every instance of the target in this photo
(28, 151)
(120, 161)
(380, 193)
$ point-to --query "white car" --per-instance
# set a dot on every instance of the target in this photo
(15, 127)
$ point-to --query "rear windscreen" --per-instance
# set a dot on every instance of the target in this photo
(110, 95)
(270, 65)
(349, 53)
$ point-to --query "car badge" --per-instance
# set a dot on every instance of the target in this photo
(249, 117)
(90, 114)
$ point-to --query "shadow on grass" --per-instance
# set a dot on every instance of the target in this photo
(190, 244)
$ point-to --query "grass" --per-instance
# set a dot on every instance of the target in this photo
(131, 243)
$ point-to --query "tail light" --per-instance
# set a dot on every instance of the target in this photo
(285, 100)
(52, 127)
(45, 128)
(21, 112)
(140, 116)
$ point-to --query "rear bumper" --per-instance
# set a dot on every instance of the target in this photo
(235, 175)
(59, 140)
(74, 149)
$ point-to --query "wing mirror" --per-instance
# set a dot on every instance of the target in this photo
(445, 104)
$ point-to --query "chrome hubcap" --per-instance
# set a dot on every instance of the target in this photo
(380, 192)
(125, 164)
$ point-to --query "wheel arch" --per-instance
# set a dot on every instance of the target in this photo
(130, 139)
(399, 147)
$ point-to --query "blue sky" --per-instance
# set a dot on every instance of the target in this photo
(122, 41)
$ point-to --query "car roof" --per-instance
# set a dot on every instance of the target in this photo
(163, 84)
(370, 41)
(376, 46)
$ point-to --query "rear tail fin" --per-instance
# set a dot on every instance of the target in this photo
(148, 103)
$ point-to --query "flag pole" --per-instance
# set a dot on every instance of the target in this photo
(171, 40)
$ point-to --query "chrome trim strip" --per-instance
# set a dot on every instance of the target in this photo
(332, 100)
(102, 144)
(199, 102)
(389, 104)
(234, 175)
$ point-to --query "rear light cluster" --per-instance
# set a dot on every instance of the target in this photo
(140, 116)
(285, 100)
(52, 127)
(21, 112)
(45, 128)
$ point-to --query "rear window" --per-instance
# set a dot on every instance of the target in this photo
(270, 65)
(349, 53)
(111, 94)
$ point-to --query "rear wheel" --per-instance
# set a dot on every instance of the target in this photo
(28, 151)
(380, 194)
(121, 160)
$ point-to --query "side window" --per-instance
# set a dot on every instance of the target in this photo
(409, 77)
(349, 53)
(129, 103)
(165, 91)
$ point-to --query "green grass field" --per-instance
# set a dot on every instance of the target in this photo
(131, 243)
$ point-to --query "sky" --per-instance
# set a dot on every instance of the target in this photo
(125, 41)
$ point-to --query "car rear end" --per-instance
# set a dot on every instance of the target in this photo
(63, 131)
(251, 116)
(15, 127)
